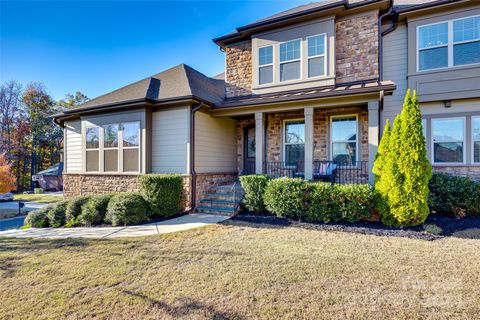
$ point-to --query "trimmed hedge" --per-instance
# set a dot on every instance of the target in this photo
(163, 192)
(38, 218)
(94, 210)
(74, 209)
(126, 209)
(454, 196)
(56, 214)
(254, 187)
(287, 197)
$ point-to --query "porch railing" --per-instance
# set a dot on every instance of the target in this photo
(344, 172)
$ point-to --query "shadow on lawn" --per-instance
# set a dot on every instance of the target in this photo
(35, 244)
(185, 308)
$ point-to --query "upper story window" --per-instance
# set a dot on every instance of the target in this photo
(290, 62)
(265, 65)
(316, 55)
(447, 44)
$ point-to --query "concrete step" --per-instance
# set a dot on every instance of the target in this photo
(217, 210)
(213, 202)
(224, 196)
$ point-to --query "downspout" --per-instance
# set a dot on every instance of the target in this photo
(193, 186)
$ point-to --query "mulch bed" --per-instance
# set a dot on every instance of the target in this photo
(436, 227)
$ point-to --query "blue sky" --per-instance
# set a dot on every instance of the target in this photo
(96, 47)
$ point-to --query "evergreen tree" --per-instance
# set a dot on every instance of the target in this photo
(379, 169)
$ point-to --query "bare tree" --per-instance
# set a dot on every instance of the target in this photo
(10, 110)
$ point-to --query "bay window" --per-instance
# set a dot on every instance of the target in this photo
(448, 136)
(294, 141)
(476, 139)
(449, 43)
(316, 55)
(344, 139)
(92, 149)
(110, 148)
(265, 63)
(290, 62)
(131, 146)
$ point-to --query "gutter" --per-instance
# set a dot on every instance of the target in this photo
(193, 185)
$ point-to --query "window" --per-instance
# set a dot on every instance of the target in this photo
(110, 148)
(449, 43)
(265, 63)
(316, 56)
(294, 141)
(344, 139)
(448, 140)
(131, 146)
(424, 128)
(290, 63)
(476, 139)
(92, 146)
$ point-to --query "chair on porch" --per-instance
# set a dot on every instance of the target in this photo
(324, 170)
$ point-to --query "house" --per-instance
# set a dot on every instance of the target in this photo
(50, 178)
(302, 89)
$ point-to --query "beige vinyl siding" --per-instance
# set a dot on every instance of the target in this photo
(73, 146)
(215, 144)
(170, 138)
(395, 68)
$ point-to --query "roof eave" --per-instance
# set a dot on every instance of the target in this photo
(425, 6)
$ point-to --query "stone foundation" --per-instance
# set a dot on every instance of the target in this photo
(472, 172)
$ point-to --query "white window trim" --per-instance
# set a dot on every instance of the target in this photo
(284, 144)
(357, 149)
(432, 142)
(129, 148)
(266, 65)
(324, 55)
(290, 61)
(473, 141)
(112, 148)
(449, 45)
(94, 149)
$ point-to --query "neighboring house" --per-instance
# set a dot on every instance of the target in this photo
(51, 178)
(302, 87)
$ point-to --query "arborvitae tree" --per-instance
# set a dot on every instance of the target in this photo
(379, 169)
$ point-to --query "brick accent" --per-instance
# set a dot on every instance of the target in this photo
(239, 69)
(356, 47)
(472, 172)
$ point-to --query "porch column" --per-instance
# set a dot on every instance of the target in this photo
(373, 130)
(308, 114)
(259, 141)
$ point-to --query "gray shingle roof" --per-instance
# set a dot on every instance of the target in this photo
(179, 81)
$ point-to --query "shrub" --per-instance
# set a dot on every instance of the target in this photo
(254, 187)
(73, 210)
(287, 197)
(126, 209)
(38, 218)
(93, 211)
(38, 190)
(56, 214)
(454, 196)
(163, 192)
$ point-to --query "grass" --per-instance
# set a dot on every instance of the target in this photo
(43, 198)
(241, 271)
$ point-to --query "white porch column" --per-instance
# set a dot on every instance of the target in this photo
(259, 141)
(373, 130)
(308, 114)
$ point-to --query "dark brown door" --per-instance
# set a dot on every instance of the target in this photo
(249, 150)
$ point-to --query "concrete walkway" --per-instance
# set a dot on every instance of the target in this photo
(186, 222)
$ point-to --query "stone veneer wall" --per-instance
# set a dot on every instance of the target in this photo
(472, 172)
(239, 69)
(356, 47)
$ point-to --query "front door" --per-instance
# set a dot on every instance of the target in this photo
(249, 150)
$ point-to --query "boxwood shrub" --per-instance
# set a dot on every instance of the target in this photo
(38, 218)
(56, 214)
(126, 209)
(74, 209)
(94, 210)
(453, 195)
(163, 192)
(254, 187)
(287, 197)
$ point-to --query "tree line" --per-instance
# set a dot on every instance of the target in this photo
(29, 139)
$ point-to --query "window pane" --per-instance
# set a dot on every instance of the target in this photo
(466, 53)
(476, 151)
(295, 132)
(433, 58)
(294, 153)
(265, 75)
(316, 45)
(344, 152)
(92, 138)
(130, 160)
(111, 136)
(316, 67)
(433, 35)
(265, 55)
(476, 129)
(344, 129)
(447, 130)
(466, 29)
(131, 132)
(290, 50)
(448, 152)
(290, 71)
(92, 161)
(111, 160)
(424, 128)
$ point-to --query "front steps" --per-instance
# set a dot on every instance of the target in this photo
(223, 200)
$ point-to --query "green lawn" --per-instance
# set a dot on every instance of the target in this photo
(241, 271)
(44, 198)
